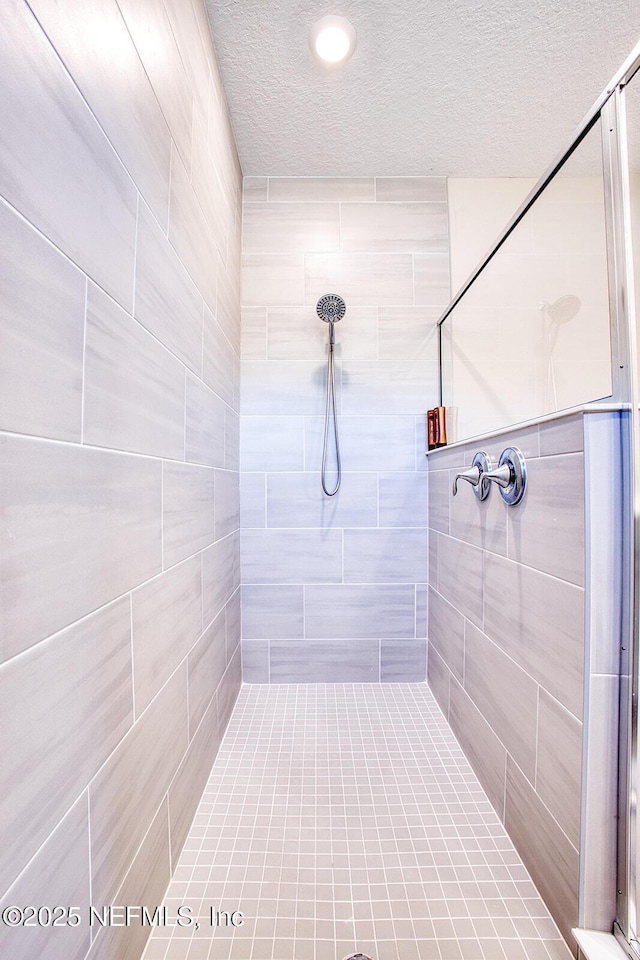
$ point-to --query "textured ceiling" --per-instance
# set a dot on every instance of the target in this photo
(435, 87)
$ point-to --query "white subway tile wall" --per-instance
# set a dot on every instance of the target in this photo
(336, 588)
(120, 220)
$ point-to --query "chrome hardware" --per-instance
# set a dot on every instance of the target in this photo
(510, 475)
(480, 466)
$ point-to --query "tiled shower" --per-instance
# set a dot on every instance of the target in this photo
(216, 685)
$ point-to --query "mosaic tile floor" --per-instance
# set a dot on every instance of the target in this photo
(345, 818)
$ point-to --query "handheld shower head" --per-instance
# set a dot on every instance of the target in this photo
(564, 309)
(331, 308)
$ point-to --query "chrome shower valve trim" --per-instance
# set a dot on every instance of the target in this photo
(510, 475)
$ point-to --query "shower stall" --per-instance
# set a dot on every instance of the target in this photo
(213, 704)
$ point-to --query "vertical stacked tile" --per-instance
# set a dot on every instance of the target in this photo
(335, 589)
(120, 219)
(507, 642)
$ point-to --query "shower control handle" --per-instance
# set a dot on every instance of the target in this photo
(501, 475)
(480, 466)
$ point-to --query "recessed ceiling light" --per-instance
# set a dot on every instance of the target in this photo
(332, 39)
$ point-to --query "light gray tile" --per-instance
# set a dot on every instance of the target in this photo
(539, 621)
(221, 140)
(297, 333)
(255, 661)
(363, 610)
(559, 764)
(272, 613)
(209, 191)
(190, 780)
(68, 506)
(167, 300)
(481, 522)
(134, 392)
(254, 188)
(408, 333)
(272, 279)
(431, 279)
(65, 705)
(205, 425)
(422, 462)
(485, 752)
(218, 358)
(546, 530)
(190, 233)
(439, 679)
(234, 624)
(362, 279)
(60, 170)
(325, 661)
(237, 367)
(403, 661)
(254, 333)
(526, 439)
(395, 227)
(291, 556)
(253, 496)
(321, 188)
(385, 555)
(565, 435)
(207, 663)
(403, 499)
(297, 500)
(505, 695)
(231, 440)
(228, 312)
(422, 610)
(41, 334)
(227, 503)
(195, 54)
(446, 633)
(448, 457)
(151, 31)
(433, 558)
(227, 692)
(58, 874)
(167, 621)
(218, 576)
(127, 111)
(386, 387)
(412, 188)
(187, 510)
(272, 443)
(285, 388)
(366, 443)
(122, 806)
(460, 579)
(144, 884)
(290, 227)
(549, 857)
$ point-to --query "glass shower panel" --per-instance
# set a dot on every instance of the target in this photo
(531, 334)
